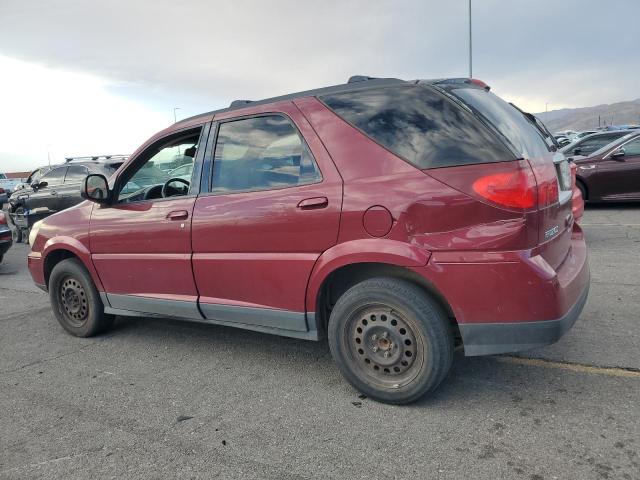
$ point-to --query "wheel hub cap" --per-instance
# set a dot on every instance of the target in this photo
(383, 342)
(74, 301)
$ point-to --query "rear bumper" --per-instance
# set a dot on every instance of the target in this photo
(493, 338)
(511, 301)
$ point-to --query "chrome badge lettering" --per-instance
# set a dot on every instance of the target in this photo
(551, 232)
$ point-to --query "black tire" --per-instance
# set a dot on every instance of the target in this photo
(583, 190)
(1, 258)
(75, 300)
(390, 340)
(16, 234)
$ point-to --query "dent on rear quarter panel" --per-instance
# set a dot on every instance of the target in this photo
(428, 215)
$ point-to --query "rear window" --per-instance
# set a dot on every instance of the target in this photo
(420, 125)
(511, 123)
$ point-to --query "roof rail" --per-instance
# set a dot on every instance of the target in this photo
(95, 158)
(239, 103)
(360, 78)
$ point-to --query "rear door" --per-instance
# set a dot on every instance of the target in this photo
(618, 177)
(273, 207)
(69, 191)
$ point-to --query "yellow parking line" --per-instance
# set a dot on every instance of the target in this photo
(572, 367)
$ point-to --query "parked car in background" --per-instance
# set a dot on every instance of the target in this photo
(562, 140)
(570, 134)
(587, 145)
(390, 216)
(8, 184)
(55, 190)
(611, 173)
(583, 134)
(34, 176)
(5, 235)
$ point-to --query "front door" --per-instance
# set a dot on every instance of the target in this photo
(46, 195)
(272, 209)
(618, 178)
(141, 244)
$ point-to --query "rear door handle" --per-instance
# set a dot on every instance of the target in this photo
(178, 215)
(312, 203)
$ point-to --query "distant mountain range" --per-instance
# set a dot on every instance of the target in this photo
(586, 118)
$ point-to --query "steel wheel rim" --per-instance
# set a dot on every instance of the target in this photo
(73, 300)
(384, 346)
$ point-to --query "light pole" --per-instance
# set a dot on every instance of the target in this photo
(174, 114)
(546, 112)
(470, 45)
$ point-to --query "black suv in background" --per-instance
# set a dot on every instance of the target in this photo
(56, 190)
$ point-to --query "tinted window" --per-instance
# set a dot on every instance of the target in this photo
(420, 125)
(590, 145)
(75, 174)
(55, 176)
(261, 153)
(632, 148)
(524, 137)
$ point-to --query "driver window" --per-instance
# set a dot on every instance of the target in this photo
(166, 173)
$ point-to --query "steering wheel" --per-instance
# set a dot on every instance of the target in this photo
(166, 187)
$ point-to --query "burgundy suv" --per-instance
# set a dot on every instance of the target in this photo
(401, 219)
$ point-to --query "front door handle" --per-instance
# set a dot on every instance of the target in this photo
(178, 215)
(312, 203)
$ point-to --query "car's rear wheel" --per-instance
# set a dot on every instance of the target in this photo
(75, 300)
(390, 340)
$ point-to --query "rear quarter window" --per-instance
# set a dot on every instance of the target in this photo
(512, 124)
(419, 125)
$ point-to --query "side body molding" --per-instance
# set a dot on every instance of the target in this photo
(368, 250)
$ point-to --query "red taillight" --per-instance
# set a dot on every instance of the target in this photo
(1, 190)
(547, 180)
(513, 189)
(3, 219)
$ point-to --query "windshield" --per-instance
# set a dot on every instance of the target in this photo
(3, 176)
(509, 121)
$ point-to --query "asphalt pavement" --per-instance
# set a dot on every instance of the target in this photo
(166, 399)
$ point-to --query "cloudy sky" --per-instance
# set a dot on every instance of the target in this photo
(81, 77)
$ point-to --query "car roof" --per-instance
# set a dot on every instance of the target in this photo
(356, 82)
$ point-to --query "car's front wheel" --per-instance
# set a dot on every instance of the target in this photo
(390, 340)
(75, 300)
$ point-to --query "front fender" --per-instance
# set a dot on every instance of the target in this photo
(367, 250)
(78, 249)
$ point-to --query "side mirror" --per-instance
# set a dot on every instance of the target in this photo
(576, 151)
(38, 185)
(96, 189)
(618, 153)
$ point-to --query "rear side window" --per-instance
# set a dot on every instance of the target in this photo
(420, 125)
(261, 153)
(523, 136)
(55, 176)
(75, 174)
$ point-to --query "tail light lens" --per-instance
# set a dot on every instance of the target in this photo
(3, 219)
(512, 189)
(547, 179)
(2, 190)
